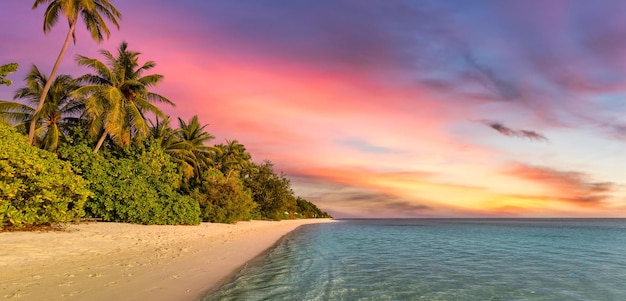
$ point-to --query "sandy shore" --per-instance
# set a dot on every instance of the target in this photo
(111, 261)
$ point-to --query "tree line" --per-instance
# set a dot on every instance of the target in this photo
(99, 146)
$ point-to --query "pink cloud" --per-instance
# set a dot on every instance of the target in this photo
(568, 186)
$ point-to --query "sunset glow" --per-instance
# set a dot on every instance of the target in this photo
(389, 108)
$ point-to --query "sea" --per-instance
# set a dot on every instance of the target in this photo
(440, 259)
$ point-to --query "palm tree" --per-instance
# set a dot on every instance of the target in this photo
(93, 13)
(59, 112)
(172, 145)
(231, 156)
(193, 138)
(6, 70)
(117, 96)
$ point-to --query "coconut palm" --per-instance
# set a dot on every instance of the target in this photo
(93, 13)
(172, 145)
(59, 112)
(117, 96)
(6, 70)
(193, 138)
(231, 157)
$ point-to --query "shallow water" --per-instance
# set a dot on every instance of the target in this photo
(416, 259)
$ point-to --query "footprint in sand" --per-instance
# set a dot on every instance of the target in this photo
(69, 283)
(95, 275)
(70, 275)
(17, 294)
(111, 283)
(71, 294)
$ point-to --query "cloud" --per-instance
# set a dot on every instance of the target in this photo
(488, 78)
(364, 146)
(350, 200)
(504, 130)
(567, 186)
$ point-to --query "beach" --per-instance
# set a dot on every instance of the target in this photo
(114, 261)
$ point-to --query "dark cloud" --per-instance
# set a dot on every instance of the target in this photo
(490, 80)
(504, 130)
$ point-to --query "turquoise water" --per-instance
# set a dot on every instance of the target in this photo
(414, 259)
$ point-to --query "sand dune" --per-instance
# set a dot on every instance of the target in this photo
(111, 261)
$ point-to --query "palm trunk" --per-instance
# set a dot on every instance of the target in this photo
(46, 88)
(100, 141)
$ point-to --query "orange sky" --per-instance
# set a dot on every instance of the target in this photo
(382, 109)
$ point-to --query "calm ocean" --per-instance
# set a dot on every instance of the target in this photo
(462, 259)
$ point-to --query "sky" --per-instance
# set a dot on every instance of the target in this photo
(383, 108)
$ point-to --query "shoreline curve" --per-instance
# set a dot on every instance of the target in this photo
(115, 261)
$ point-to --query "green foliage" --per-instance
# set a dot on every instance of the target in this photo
(117, 96)
(92, 12)
(307, 209)
(138, 186)
(186, 147)
(224, 200)
(36, 188)
(58, 113)
(231, 157)
(272, 192)
(6, 70)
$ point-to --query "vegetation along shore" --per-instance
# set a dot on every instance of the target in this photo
(100, 146)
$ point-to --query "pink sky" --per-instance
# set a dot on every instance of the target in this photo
(382, 109)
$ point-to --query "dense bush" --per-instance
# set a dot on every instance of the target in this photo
(36, 188)
(222, 200)
(307, 209)
(272, 192)
(138, 186)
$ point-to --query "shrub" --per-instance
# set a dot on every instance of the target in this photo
(36, 188)
(272, 192)
(224, 201)
(138, 186)
(307, 209)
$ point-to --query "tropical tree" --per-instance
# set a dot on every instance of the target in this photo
(93, 13)
(271, 191)
(231, 157)
(193, 138)
(59, 112)
(6, 70)
(117, 97)
(169, 140)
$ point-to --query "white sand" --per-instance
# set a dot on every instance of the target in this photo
(111, 261)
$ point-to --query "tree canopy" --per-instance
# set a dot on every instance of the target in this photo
(100, 146)
(6, 70)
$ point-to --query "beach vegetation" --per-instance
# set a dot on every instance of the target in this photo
(94, 14)
(5, 70)
(36, 188)
(59, 112)
(307, 209)
(193, 155)
(100, 146)
(224, 200)
(117, 96)
(232, 158)
(271, 191)
(136, 185)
